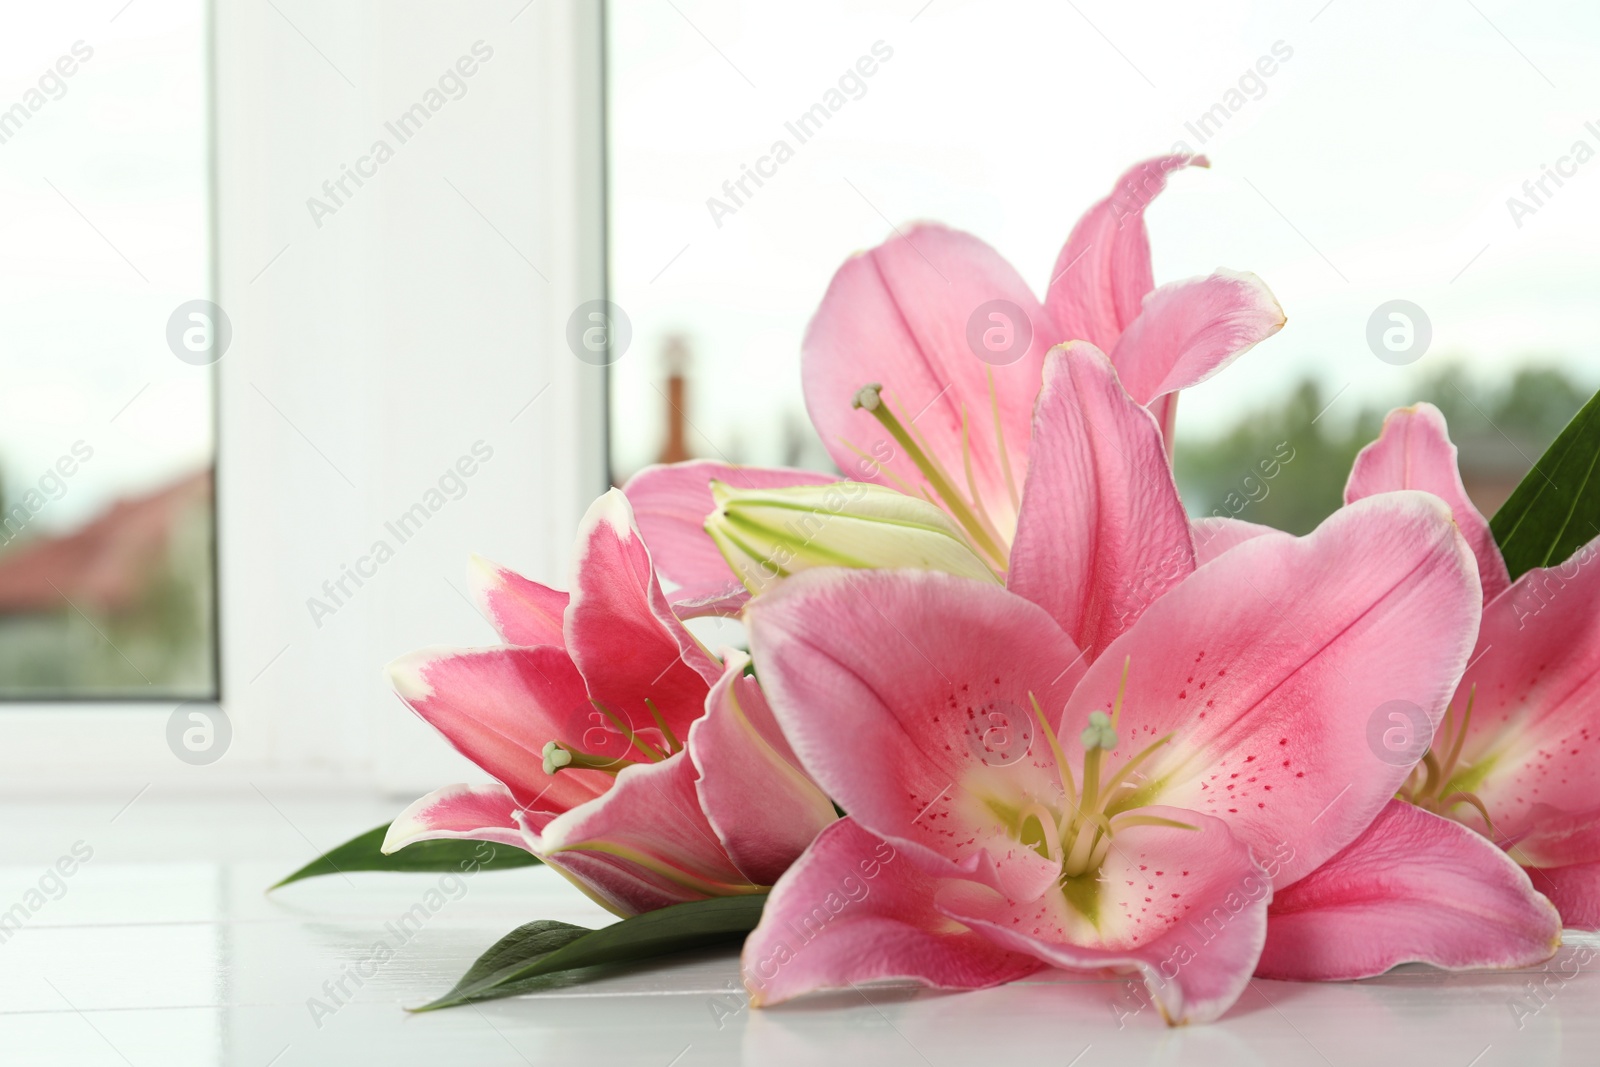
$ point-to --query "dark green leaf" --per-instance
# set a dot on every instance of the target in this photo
(1556, 509)
(544, 954)
(365, 853)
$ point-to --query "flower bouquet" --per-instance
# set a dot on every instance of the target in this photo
(1005, 706)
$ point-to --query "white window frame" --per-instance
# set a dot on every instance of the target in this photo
(342, 348)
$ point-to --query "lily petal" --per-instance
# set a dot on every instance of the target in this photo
(670, 504)
(644, 844)
(1269, 663)
(901, 315)
(1102, 532)
(1556, 838)
(499, 707)
(1414, 451)
(1574, 890)
(1189, 330)
(1184, 909)
(458, 813)
(853, 910)
(523, 611)
(1535, 732)
(1215, 535)
(868, 674)
(623, 637)
(1413, 888)
(764, 808)
(1100, 279)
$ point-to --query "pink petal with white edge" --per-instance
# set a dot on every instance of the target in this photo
(670, 504)
(1414, 451)
(1102, 532)
(906, 695)
(1184, 909)
(853, 910)
(458, 813)
(644, 844)
(1574, 890)
(901, 315)
(764, 808)
(1535, 731)
(523, 611)
(623, 637)
(1271, 662)
(1413, 888)
(499, 707)
(1214, 536)
(1189, 330)
(1100, 279)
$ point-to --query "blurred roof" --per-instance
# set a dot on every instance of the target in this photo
(103, 564)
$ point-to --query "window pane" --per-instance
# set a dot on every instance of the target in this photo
(1343, 190)
(106, 435)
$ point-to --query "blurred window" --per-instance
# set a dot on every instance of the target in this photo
(107, 339)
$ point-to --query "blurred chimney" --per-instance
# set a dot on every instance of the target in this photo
(675, 358)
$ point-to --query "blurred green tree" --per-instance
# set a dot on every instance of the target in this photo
(1283, 466)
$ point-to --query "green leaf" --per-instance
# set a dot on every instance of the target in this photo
(1556, 509)
(547, 954)
(365, 853)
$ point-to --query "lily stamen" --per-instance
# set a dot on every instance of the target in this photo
(1433, 785)
(967, 514)
(673, 744)
(1000, 445)
(651, 753)
(1093, 816)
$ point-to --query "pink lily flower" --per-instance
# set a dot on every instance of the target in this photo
(625, 756)
(956, 342)
(1101, 781)
(1417, 886)
(1518, 756)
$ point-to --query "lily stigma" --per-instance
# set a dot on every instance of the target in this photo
(1081, 834)
(560, 756)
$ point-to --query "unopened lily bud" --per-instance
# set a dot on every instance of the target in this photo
(768, 534)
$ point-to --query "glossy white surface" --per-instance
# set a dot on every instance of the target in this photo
(162, 950)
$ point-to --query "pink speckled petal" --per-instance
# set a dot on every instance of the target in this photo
(906, 696)
(853, 909)
(1184, 909)
(1270, 662)
(1535, 728)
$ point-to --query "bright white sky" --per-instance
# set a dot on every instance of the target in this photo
(81, 332)
(1389, 142)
